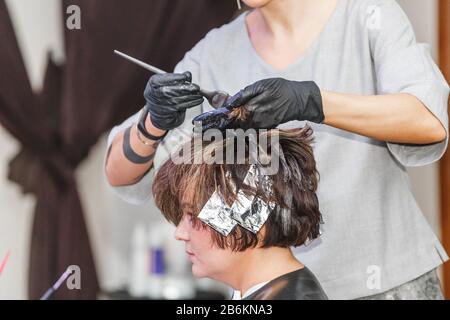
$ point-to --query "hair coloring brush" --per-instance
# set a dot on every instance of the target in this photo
(57, 284)
(215, 98)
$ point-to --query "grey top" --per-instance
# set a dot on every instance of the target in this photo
(375, 236)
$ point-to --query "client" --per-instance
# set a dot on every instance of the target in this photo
(238, 223)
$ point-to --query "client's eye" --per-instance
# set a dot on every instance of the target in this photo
(195, 222)
(190, 217)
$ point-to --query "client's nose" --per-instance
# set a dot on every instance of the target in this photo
(181, 232)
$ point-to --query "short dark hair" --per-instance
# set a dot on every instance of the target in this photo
(173, 181)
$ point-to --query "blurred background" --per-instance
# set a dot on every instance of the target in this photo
(62, 90)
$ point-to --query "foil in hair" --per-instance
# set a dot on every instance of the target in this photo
(250, 212)
(216, 214)
(285, 213)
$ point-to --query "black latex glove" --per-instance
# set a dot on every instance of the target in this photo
(270, 102)
(168, 97)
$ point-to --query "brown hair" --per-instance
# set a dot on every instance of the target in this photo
(173, 185)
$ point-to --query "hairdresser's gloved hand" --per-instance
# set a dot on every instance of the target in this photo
(168, 97)
(271, 102)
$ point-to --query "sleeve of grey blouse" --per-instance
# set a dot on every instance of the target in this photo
(140, 192)
(404, 66)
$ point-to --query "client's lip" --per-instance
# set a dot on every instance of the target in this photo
(189, 253)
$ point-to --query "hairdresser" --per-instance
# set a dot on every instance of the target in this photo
(376, 101)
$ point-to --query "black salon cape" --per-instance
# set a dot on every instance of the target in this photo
(301, 284)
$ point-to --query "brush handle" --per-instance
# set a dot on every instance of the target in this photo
(215, 98)
(140, 63)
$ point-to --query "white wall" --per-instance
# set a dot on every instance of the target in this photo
(110, 221)
(425, 180)
(15, 225)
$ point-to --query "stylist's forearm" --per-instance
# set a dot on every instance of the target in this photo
(119, 170)
(400, 118)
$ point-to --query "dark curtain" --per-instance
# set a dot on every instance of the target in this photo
(80, 101)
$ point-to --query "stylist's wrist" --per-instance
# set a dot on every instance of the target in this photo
(329, 109)
(323, 93)
(152, 129)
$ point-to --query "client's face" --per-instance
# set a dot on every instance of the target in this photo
(207, 259)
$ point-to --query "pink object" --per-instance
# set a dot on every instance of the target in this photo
(4, 261)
